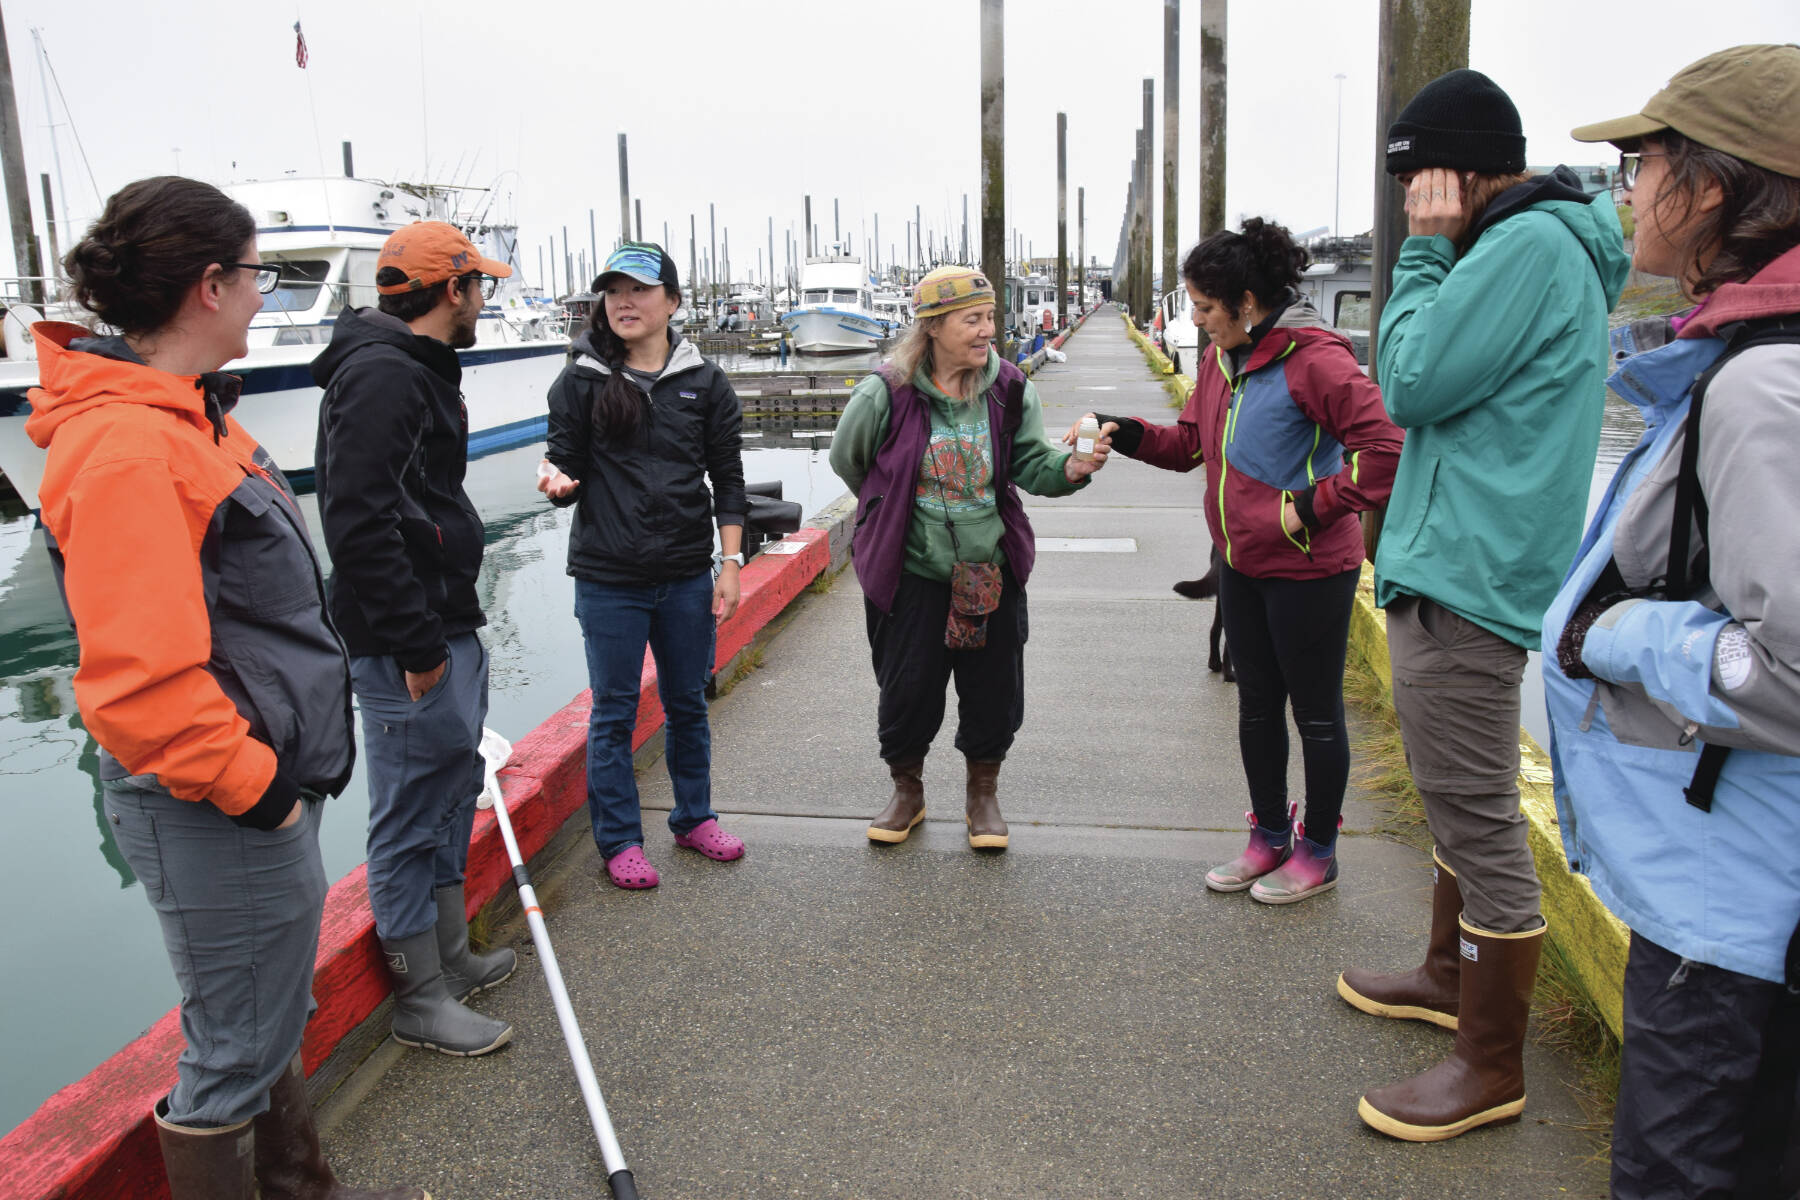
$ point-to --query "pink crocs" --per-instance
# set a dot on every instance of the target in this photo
(630, 869)
(710, 840)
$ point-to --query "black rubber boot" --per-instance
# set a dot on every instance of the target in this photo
(290, 1164)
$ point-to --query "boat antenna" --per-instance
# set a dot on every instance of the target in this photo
(69, 119)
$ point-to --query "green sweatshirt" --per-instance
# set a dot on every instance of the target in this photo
(955, 484)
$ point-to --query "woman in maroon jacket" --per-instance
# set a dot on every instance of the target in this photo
(1296, 443)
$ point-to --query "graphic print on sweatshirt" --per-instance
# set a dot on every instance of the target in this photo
(960, 460)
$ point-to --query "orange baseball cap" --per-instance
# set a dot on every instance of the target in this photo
(431, 252)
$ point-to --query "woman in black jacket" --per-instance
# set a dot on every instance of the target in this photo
(639, 421)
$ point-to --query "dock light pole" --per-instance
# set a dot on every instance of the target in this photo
(1081, 249)
(1062, 220)
(771, 278)
(837, 232)
(1171, 153)
(1212, 116)
(993, 149)
(638, 206)
(1418, 41)
(693, 260)
(1337, 192)
(624, 194)
(18, 191)
(712, 257)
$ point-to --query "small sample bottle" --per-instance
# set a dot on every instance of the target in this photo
(1086, 435)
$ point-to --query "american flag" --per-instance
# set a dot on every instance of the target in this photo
(300, 54)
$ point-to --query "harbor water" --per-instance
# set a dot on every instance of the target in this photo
(85, 968)
(86, 971)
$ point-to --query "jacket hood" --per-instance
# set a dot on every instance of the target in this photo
(1593, 220)
(1773, 291)
(1301, 323)
(586, 354)
(80, 372)
(357, 328)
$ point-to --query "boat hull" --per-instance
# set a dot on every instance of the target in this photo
(504, 387)
(828, 330)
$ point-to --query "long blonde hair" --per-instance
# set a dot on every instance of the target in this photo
(914, 352)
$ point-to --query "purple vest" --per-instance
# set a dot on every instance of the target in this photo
(884, 507)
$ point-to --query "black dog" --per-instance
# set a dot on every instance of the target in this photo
(1218, 655)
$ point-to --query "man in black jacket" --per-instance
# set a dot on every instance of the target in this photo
(405, 545)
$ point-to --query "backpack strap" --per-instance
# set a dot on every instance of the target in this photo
(1684, 578)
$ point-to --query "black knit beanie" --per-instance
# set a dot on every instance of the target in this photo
(1462, 121)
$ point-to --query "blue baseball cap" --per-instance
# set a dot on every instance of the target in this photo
(643, 261)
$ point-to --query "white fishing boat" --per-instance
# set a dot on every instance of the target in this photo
(836, 313)
(326, 234)
(894, 306)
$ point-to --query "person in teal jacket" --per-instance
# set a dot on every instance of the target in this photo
(1492, 355)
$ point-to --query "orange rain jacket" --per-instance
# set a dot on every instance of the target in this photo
(207, 658)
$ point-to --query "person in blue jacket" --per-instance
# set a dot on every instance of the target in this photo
(1674, 692)
(1492, 357)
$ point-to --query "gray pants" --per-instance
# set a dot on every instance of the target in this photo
(425, 772)
(1456, 692)
(240, 911)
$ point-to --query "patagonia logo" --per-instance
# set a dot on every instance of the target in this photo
(397, 961)
(689, 395)
(1470, 950)
(1399, 145)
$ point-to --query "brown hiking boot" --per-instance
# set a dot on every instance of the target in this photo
(907, 808)
(1483, 1080)
(1428, 992)
(986, 830)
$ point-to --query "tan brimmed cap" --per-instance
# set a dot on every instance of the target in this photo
(1744, 101)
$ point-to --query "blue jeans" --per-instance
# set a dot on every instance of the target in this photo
(675, 620)
(425, 773)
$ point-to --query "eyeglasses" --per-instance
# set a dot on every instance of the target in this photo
(1629, 165)
(487, 284)
(267, 277)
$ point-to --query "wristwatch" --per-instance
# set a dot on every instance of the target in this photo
(721, 559)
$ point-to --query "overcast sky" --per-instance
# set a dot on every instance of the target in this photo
(752, 106)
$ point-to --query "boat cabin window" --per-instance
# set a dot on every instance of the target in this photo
(843, 297)
(815, 297)
(361, 280)
(300, 283)
(1351, 310)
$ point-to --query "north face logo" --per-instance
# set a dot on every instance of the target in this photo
(1470, 950)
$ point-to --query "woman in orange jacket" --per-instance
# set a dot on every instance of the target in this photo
(210, 675)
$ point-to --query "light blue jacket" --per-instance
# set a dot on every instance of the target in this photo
(1719, 886)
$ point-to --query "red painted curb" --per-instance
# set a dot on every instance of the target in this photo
(94, 1139)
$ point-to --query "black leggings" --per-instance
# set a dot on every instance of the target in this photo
(1287, 640)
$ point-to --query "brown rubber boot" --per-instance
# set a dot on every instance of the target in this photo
(986, 830)
(1483, 1080)
(1428, 992)
(290, 1165)
(206, 1164)
(906, 808)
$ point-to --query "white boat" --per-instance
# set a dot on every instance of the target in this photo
(1180, 335)
(1339, 282)
(326, 233)
(836, 313)
(894, 306)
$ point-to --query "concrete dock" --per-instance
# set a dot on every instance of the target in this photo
(1076, 1017)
